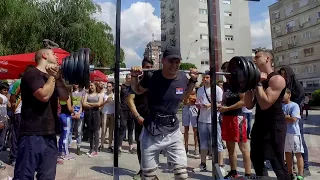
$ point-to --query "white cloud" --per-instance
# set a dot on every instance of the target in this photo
(138, 23)
(260, 32)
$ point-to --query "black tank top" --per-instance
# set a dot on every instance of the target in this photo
(274, 114)
(231, 99)
(124, 93)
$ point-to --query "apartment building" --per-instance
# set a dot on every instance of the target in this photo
(295, 31)
(184, 24)
(153, 52)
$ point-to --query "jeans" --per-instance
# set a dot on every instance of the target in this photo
(65, 131)
(248, 117)
(36, 154)
(14, 136)
(78, 125)
(305, 155)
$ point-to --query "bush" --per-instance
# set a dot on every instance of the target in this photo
(315, 101)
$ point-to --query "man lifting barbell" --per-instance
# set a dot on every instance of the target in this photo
(37, 144)
(167, 88)
(269, 129)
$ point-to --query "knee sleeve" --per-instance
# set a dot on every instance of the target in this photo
(150, 174)
(180, 172)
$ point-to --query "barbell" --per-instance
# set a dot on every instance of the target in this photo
(242, 74)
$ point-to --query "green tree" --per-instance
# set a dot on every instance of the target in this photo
(69, 23)
(187, 66)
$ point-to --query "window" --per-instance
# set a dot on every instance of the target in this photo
(292, 40)
(308, 51)
(288, 10)
(280, 58)
(304, 19)
(229, 38)
(227, 13)
(203, 1)
(290, 25)
(205, 62)
(203, 36)
(226, 1)
(303, 3)
(306, 35)
(278, 43)
(229, 51)
(203, 24)
(318, 15)
(204, 49)
(276, 15)
(277, 29)
(293, 55)
(203, 11)
(228, 26)
(311, 68)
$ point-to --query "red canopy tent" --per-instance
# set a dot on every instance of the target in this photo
(97, 75)
(12, 65)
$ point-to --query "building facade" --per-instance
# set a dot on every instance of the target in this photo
(184, 24)
(295, 31)
(153, 52)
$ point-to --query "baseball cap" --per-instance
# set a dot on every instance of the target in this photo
(172, 53)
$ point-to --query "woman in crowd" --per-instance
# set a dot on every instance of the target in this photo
(66, 121)
(91, 103)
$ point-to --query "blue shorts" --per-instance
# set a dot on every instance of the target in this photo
(205, 136)
(189, 116)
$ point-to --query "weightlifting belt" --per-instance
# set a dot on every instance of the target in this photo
(164, 119)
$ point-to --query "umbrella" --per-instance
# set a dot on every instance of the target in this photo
(12, 65)
(97, 75)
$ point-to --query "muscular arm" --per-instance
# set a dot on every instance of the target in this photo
(136, 87)
(43, 94)
(132, 106)
(62, 90)
(268, 97)
(249, 101)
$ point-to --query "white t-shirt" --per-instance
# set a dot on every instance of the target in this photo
(245, 110)
(3, 107)
(205, 113)
(306, 100)
(108, 108)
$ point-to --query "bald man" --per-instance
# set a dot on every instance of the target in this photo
(37, 144)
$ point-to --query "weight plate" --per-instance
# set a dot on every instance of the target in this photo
(70, 69)
(237, 77)
(86, 72)
(65, 69)
(75, 69)
(252, 71)
(245, 72)
(258, 75)
(80, 67)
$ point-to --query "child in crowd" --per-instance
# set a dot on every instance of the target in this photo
(293, 142)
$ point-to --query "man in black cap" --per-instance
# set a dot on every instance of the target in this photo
(166, 90)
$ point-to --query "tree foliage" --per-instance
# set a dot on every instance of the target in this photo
(70, 23)
(315, 101)
(187, 66)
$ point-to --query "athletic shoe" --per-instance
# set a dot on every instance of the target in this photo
(88, 153)
(232, 174)
(202, 167)
(93, 154)
(68, 157)
(300, 178)
(306, 172)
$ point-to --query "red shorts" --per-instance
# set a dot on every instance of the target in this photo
(234, 129)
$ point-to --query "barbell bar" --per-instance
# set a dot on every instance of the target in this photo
(92, 68)
(242, 74)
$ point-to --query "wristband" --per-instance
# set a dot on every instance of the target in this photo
(259, 84)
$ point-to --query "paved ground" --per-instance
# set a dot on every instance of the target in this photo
(101, 168)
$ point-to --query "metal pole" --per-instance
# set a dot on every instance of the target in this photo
(214, 143)
(128, 69)
(117, 93)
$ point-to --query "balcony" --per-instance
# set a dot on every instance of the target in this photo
(163, 5)
(163, 27)
(172, 30)
(172, 6)
(173, 17)
(290, 46)
(163, 37)
(163, 16)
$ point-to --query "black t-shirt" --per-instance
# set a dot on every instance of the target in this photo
(141, 103)
(231, 98)
(164, 98)
(124, 93)
(37, 117)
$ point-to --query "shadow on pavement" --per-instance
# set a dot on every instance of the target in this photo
(109, 171)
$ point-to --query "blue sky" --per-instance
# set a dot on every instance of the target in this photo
(137, 28)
